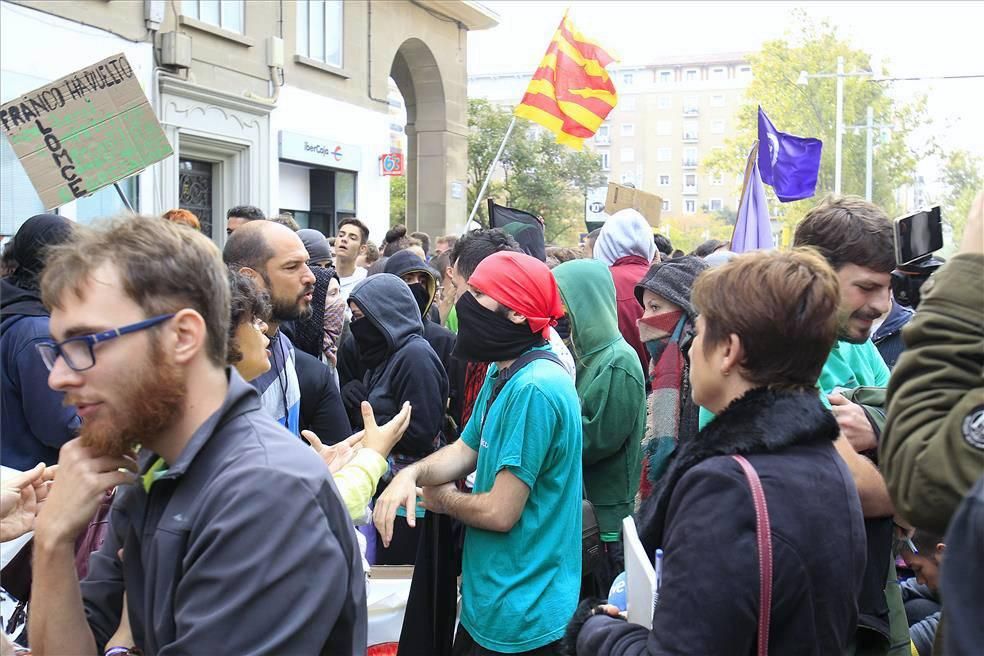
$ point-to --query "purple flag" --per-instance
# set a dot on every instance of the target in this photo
(790, 164)
(753, 230)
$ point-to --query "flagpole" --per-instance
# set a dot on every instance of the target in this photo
(488, 177)
(744, 185)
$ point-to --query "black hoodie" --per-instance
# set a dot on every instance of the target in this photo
(411, 371)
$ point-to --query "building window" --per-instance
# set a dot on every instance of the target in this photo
(627, 103)
(665, 77)
(627, 79)
(663, 154)
(602, 135)
(627, 155)
(628, 130)
(715, 205)
(717, 179)
(691, 75)
(690, 130)
(664, 101)
(690, 157)
(690, 181)
(664, 128)
(106, 202)
(717, 100)
(745, 72)
(717, 127)
(227, 14)
(319, 31)
(690, 206)
(664, 181)
(690, 105)
(628, 178)
(719, 73)
(666, 205)
(605, 164)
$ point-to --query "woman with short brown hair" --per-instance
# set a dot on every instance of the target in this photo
(766, 322)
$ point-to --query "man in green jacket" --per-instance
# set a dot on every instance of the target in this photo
(612, 390)
(932, 451)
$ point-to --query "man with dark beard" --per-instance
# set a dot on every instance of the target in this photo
(230, 518)
(275, 259)
(521, 565)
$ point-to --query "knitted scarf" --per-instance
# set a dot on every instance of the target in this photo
(661, 335)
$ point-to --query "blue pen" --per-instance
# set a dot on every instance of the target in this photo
(659, 576)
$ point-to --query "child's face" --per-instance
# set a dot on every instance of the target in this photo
(925, 567)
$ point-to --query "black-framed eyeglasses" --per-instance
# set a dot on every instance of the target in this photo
(78, 351)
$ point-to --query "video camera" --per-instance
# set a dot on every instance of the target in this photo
(917, 237)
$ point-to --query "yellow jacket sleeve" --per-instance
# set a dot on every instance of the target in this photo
(356, 481)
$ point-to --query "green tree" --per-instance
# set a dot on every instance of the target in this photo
(810, 110)
(398, 200)
(963, 177)
(535, 173)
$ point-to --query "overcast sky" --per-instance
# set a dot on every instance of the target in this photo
(912, 38)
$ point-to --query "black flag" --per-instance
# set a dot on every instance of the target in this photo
(524, 227)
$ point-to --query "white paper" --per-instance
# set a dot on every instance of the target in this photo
(640, 577)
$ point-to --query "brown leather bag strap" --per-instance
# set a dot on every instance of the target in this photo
(763, 535)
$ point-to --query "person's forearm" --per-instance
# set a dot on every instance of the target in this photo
(875, 500)
(450, 463)
(57, 623)
(475, 510)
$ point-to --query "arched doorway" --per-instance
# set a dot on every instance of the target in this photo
(436, 156)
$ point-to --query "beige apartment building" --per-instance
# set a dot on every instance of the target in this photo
(670, 115)
(282, 104)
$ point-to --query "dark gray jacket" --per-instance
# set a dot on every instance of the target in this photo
(241, 547)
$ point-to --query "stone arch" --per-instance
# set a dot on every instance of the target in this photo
(436, 142)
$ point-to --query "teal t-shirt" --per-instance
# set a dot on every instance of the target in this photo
(848, 366)
(519, 589)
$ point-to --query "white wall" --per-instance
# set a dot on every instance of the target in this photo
(326, 118)
(294, 188)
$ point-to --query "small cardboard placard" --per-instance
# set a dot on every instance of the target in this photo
(620, 198)
(85, 131)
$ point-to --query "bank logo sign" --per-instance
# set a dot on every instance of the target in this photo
(322, 152)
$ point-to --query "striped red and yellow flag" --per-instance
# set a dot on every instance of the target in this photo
(570, 93)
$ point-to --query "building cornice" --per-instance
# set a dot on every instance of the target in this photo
(190, 90)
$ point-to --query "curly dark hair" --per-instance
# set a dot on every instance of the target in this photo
(248, 302)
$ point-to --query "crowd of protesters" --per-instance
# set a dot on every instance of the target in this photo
(205, 451)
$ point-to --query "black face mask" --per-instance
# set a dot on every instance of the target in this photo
(563, 328)
(371, 341)
(487, 336)
(421, 295)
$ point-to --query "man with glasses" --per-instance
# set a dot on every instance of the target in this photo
(222, 519)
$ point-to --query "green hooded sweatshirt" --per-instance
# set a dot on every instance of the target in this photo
(611, 387)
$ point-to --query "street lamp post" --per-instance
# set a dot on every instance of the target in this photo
(804, 77)
(869, 126)
(838, 139)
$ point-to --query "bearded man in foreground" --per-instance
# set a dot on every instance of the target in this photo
(227, 533)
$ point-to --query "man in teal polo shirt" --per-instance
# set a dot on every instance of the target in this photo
(521, 567)
(856, 238)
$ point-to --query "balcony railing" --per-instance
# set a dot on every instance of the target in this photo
(690, 137)
(689, 163)
(690, 189)
(690, 111)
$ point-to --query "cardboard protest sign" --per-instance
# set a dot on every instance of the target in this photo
(85, 131)
(650, 206)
